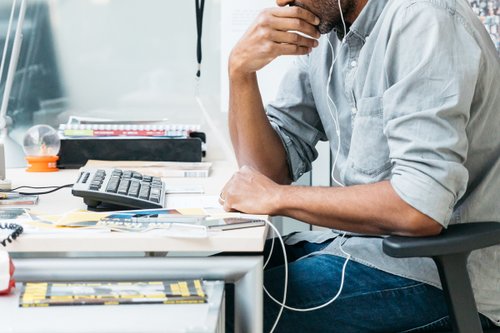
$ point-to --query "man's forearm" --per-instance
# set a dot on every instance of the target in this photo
(370, 209)
(254, 140)
(275, 32)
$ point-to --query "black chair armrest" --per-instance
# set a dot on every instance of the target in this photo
(458, 238)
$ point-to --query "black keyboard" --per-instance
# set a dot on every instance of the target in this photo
(107, 188)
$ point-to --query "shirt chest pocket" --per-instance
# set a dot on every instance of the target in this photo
(368, 160)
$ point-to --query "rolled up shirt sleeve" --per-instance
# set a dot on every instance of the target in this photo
(427, 108)
(294, 117)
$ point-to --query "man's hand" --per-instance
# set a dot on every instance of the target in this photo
(250, 192)
(372, 209)
(273, 34)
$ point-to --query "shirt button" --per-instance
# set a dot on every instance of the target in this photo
(354, 110)
(354, 63)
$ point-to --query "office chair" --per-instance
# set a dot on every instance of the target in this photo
(450, 251)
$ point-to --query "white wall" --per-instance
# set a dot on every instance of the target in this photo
(237, 15)
(131, 59)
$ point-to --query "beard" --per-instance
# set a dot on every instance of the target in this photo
(329, 13)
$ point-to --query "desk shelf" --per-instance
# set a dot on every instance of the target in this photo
(200, 318)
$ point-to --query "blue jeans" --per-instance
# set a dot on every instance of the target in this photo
(371, 300)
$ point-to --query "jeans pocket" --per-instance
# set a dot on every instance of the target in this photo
(439, 325)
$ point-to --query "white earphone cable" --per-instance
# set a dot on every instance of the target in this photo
(285, 287)
(330, 101)
(335, 119)
(348, 257)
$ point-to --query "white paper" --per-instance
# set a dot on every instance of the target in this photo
(184, 189)
(236, 18)
(178, 201)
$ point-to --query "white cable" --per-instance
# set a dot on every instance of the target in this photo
(336, 117)
(343, 21)
(286, 276)
(342, 279)
(348, 256)
(270, 250)
(329, 101)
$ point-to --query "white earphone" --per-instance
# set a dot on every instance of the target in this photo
(330, 101)
(335, 119)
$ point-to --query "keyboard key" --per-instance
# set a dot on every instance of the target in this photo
(156, 191)
(134, 189)
(100, 173)
(127, 174)
(123, 187)
(113, 184)
(86, 177)
(155, 199)
(116, 172)
(144, 193)
(96, 184)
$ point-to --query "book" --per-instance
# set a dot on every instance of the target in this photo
(44, 294)
(21, 200)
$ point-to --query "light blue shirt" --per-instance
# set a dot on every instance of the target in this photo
(416, 96)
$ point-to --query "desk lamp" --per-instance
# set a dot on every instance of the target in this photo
(14, 57)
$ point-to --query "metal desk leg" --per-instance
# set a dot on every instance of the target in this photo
(248, 296)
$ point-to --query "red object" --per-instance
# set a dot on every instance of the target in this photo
(7, 269)
(42, 163)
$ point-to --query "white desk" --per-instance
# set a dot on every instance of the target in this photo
(244, 271)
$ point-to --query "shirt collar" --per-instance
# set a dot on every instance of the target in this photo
(364, 23)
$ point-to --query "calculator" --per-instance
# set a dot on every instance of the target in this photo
(109, 188)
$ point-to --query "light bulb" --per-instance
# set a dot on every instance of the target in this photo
(41, 145)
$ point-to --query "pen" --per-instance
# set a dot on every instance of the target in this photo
(9, 195)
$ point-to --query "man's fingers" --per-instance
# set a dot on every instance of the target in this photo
(293, 38)
(292, 49)
(295, 24)
(296, 12)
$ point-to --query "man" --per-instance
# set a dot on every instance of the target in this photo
(407, 96)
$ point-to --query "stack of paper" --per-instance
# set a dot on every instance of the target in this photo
(15, 199)
(158, 169)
